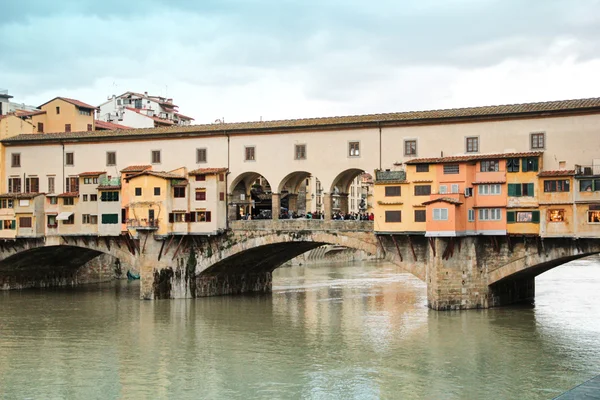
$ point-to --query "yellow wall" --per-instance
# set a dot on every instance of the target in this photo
(12, 126)
(379, 209)
(140, 205)
(557, 229)
(69, 114)
(583, 227)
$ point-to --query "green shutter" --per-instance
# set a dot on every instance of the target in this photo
(103, 196)
(13, 224)
(530, 189)
(535, 217)
(512, 192)
(524, 165)
(518, 189)
(535, 164)
(510, 217)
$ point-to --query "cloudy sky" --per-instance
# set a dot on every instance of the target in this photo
(247, 59)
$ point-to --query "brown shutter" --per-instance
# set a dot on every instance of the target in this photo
(208, 216)
(171, 217)
(192, 217)
(188, 218)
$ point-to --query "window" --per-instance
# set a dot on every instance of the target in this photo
(221, 177)
(556, 215)
(70, 159)
(85, 112)
(84, 197)
(6, 203)
(471, 215)
(87, 181)
(93, 197)
(391, 191)
(15, 160)
(300, 152)
(9, 224)
(486, 190)
(52, 221)
(110, 218)
(593, 216)
(70, 220)
(40, 127)
(89, 127)
(440, 214)
(177, 217)
(138, 191)
(94, 219)
(67, 127)
(200, 216)
(118, 102)
(523, 217)
(50, 184)
(68, 201)
(85, 218)
(422, 167)
(57, 110)
(179, 191)
(589, 185)
(221, 196)
(32, 185)
(200, 194)
(420, 216)
(451, 169)
(250, 154)
(468, 192)
(557, 186)
(25, 222)
(53, 200)
(200, 156)
(489, 166)
(472, 144)
(454, 188)
(155, 156)
(410, 147)
(354, 149)
(14, 185)
(157, 191)
(111, 158)
(443, 189)
(537, 141)
(520, 189)
(109, 196)
(200, 178)
(530, 164)
(72, 184)
(512, 165)
(393, 216)
(422, 190)
(490, 214)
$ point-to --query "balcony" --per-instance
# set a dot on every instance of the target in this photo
(587, 170)
(109, 182)
(143, 224)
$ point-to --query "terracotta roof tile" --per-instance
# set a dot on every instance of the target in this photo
(488, 182)
(109, 125)
(160, 174)
(443, 199)
(184, 116)
(473, 157)
(69, 194)
(207, 171)
(561, 172)
(136, 168)
(27, 113)
(92, 173)
(19, 195)
(391, 119)
(77, 103)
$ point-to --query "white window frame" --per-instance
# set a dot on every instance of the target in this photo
(494, 189)
(467, 146)
(471, 215)
(490, 214)
(443, 189)
(454, 188)
(440, 214)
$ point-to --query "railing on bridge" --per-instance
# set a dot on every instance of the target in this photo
(143, 224)
(302, 225)
(587, 170)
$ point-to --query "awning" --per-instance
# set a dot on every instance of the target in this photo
(63, 216)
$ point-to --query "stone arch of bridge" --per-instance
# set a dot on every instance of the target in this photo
(255, 253)
(531, 266)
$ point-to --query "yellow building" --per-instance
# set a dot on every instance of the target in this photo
(523, 186)
(62, 114)
(586, 193)
(555, 198)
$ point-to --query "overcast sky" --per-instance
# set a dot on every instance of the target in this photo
(276, 59)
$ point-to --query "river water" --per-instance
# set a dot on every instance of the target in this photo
(344, 331)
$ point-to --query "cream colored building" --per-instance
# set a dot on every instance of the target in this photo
(333, 150)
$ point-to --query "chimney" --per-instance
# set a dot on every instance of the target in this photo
(146, 94)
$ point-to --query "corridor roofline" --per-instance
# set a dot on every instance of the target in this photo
(410, 118)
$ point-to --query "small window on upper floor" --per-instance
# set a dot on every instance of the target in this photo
(489, 166)
(391, 191)
(90, 127)
(67, 127)
(354, 149)
(451, 169)
(200, 156)
(70, 159)
(537, 141)
(512, 165)
(57, 110)
(155, 156)
(250, 153)
(157, 191)
(300, 152)
(410, 147)
(40, 127)
(423, 168)
(138, 191)
(472, 144)
(15, 160)
(111, 158)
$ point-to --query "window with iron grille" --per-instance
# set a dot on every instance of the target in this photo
(392, 191)
(420, 216)
(393, 216)
(451, 169)
(422, 167)
(422, 190)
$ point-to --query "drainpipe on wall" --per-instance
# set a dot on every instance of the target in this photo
(227, 186)
(379, 126)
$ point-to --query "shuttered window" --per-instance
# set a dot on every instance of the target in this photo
(391, 191)
(420, 215)
(393, 216)
(110, 218)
